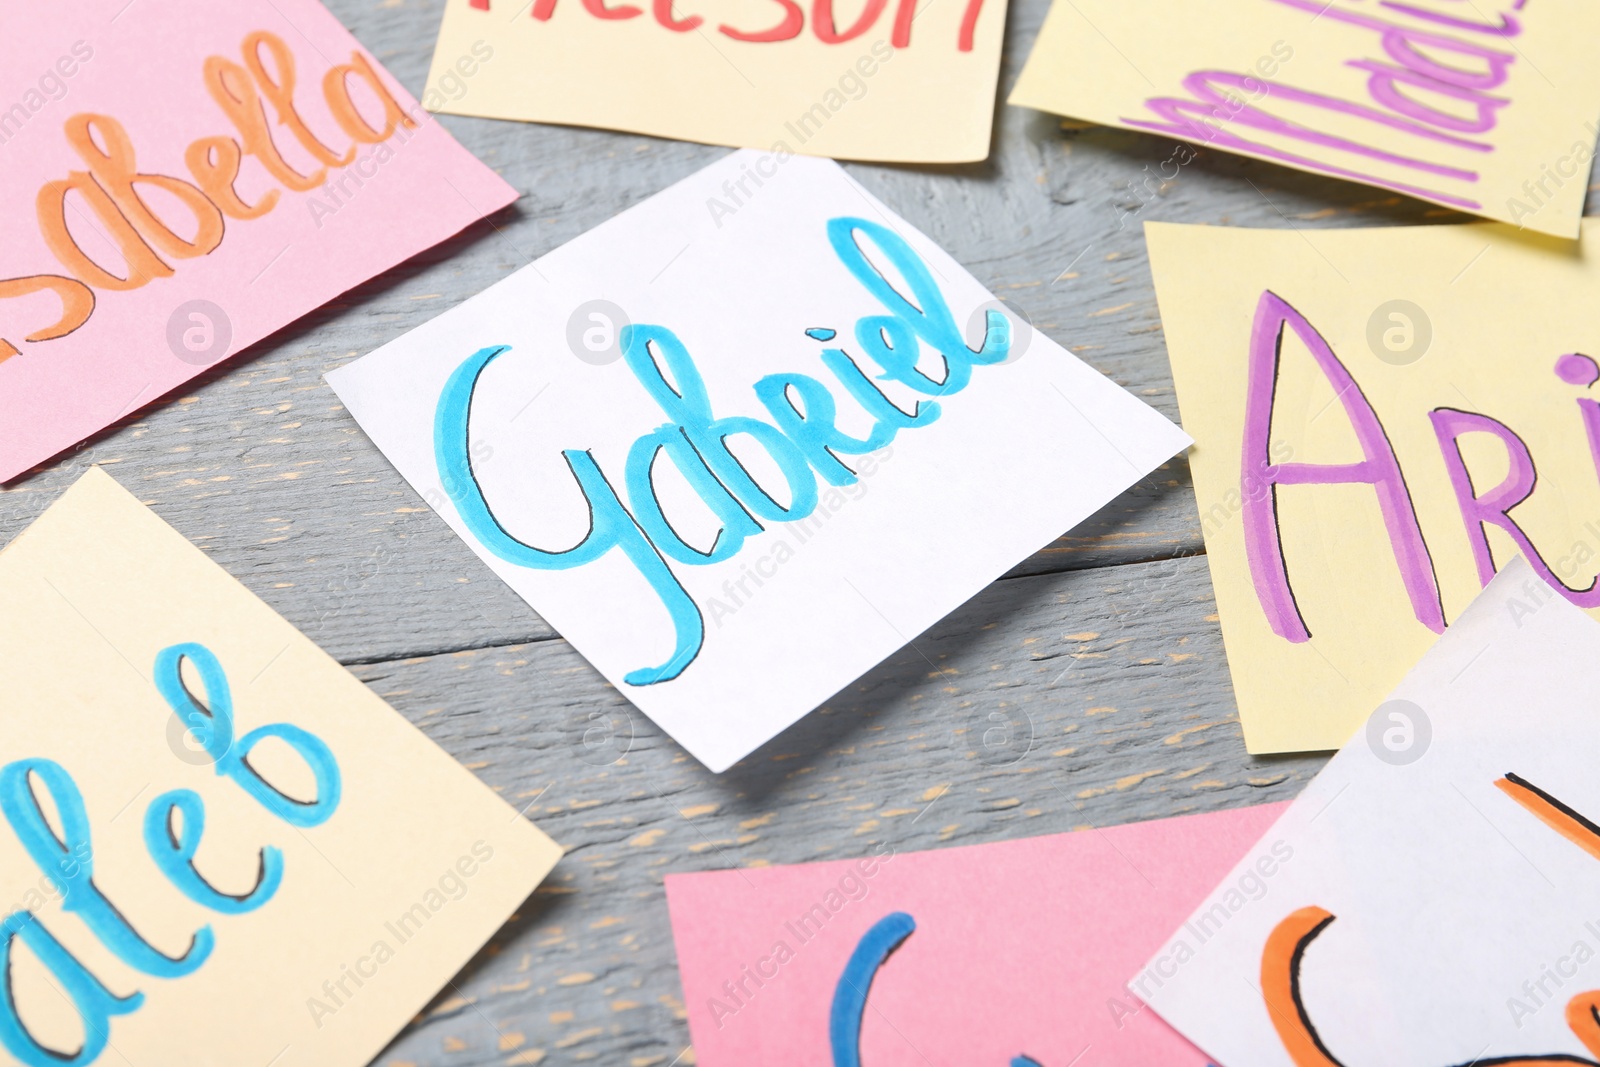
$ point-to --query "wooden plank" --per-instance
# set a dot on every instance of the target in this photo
(1048, 703)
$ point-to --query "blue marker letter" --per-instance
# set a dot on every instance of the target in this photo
(850, 996)
(686, 402)
(610, 525)
(212, 724)
(173, 850)
(736, 521)
(891, 340)
(95, 1003)
(810, 424)
(68, 861)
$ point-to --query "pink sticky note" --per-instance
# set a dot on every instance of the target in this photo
(179, 180)
(1019, 948)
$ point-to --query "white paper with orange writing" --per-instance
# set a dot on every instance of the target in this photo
(1491, 109)
(1430, 897)
(854, 80)
(1474, 350)
(394, 870)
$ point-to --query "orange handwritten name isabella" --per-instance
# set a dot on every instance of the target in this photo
(110, 182)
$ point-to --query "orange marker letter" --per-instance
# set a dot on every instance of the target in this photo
(113, 167)
(77, 303)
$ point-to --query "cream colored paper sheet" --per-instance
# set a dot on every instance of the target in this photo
(911, 81)
(385, 878)
(1471, 348)
(1491, 109)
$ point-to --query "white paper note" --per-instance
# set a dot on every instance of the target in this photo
(849, 440)
(1433, 897)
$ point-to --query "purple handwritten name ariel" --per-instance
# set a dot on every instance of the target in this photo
(1261, 472)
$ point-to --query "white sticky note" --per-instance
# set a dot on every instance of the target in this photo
(745, 440)
(1431, 896)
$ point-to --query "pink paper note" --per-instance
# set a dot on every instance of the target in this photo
(178, 181)
(1020, 948)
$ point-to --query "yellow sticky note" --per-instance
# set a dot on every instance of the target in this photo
(1490, 109)
(216, 845)
(912, 81)
(1382, 418)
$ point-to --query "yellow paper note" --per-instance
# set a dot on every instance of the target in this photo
(1382, 418)
(287, 883)
(855, 80)
(1491, 109)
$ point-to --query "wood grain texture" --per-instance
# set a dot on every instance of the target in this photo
(1047, 703)
(1085, 689)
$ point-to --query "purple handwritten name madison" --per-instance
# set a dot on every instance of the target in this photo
(1423, 55)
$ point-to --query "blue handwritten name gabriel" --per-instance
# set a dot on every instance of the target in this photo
(803, 439)
(66, 858)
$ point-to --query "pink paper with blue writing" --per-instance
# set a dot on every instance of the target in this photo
(1490, 109)
(1008, 953)
(181, 180)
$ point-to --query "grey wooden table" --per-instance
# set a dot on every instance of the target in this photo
(1099, 658)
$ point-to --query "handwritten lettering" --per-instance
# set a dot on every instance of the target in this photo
(65, 857)
(803, 439)
(1379, 468)
(789, 26)
(850, 994)
(1444, 107)
(1480, 508)
(149, 243)
(1283, 954)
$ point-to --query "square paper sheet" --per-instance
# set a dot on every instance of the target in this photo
(1448, 360)
(1488, 108)
(1017, 948)
(631, 482)
(293, 892)
(182, 179)
(1437, 905)
(857, 81)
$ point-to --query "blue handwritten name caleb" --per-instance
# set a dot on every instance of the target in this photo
(67, 859)
(803, 439)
